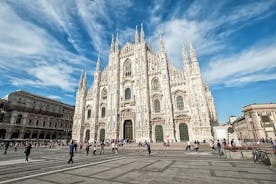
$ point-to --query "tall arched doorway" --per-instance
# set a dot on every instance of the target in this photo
(87, 135)
(102, 134)
(159, 133)
(183, 131)
(128, 133)
(2, 133)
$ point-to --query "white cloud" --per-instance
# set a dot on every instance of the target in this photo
(255, 64)
(54, 97)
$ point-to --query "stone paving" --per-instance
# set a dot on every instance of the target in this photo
(136, 167)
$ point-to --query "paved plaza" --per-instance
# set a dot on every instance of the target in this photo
(131, 166)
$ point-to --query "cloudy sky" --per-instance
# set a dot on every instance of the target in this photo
(45, 44)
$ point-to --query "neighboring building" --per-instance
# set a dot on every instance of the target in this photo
(28, 116)
(141, 96)
(258, 121)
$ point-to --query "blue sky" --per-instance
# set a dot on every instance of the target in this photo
(44, 45)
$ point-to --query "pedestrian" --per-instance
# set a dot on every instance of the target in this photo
(94, 148)
(219, 148)
(233, 144)
(196, 146)
(212, 145)
(75, 146)
(148, 147)
(87, 148)
(7, 144)
(71, 152)
(15, 147)
(113, 146)
(188, 147)
(27, 151)
(102, 148)
(81, 146)
(116, 148)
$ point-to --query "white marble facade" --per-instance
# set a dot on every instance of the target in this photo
(141, 96)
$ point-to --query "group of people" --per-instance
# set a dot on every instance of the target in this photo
(195, 148)
(73, 148)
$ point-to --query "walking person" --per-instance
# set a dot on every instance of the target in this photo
(219, 148)
(7, 144)
(27, 151)
(94, 148)
(102, 148)
(148, 147)
(212, 145)
(71, 152)
(87, 148)
(188, 147)
(113, 146)
(15, 147)
(196, 146)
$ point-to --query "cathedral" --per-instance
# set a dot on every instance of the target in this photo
(141, 96)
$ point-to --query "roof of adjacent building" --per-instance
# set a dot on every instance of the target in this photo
(35, 95)
(259, 106)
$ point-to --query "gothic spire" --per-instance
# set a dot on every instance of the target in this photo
(98, 67)
(117, 43)
(162, 48)
(142, 34)
(84, 81)
(192, 53)
(80, 81)
(112, 46)
(185, 55)
(136, 35)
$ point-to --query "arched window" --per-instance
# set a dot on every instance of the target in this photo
(179, 103)
(88, 113)
(103, 112)
(104, 94)
(156, 105)
(127, 68)
(155, 84)
(127, 94)
(18, 119)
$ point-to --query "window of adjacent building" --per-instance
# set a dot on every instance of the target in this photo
(88, 114)
(44, 123)
(179, 103)
(103, 112)
(30, 122)
(37, 122)
(127, 68)
(156, 105)
(104, 94)
(1, 117)
(155, 84)
(50, 124)
(127, 93)
(18, 119)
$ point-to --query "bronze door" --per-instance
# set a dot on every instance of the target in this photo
(183, 131)
(102, 134)
(128, 130)
(159, 133)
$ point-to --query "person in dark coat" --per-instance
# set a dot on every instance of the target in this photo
(7, 144)
(27, 152)
(148, 147)
(71, 152)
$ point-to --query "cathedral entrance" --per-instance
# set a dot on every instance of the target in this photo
(102, 134)
(183, 130)
(87, 135)
(159, 133)
(128, 133)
